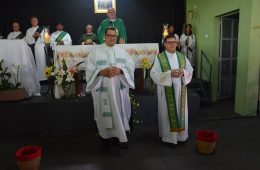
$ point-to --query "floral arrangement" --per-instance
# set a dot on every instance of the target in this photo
(134, 52)
(145, 63)
(65, 79)
(6, 82)
(63, 75)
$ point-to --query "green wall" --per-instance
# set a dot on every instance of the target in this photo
(206, 20)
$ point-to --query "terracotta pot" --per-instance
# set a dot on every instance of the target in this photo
(206, 141)
(12, 95)
(29, 157)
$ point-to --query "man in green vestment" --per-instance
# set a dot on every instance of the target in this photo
(172, 72)
(89, 38)
(60, 37)
(112, 21)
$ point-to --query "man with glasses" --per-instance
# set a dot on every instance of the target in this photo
(171, 72)
(109, 75)
(115, 22)
(16, 34)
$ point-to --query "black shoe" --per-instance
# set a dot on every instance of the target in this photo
(182, 142)
(123, 145)
(117, 143)
(169, 145)
(105, 143)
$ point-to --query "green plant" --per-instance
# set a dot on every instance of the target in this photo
(6, 77)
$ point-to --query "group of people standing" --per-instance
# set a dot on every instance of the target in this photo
(186, 43)
(110, 74)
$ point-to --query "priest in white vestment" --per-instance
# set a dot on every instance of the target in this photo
(60, 37)
(171, 72)
(16, 34)
(35, 39)
(109, 75)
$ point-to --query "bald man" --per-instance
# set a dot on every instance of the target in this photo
(115, 22)
(89, 38)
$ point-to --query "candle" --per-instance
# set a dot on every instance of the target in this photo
(47, 37)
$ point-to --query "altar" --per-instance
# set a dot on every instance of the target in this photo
(18, 52)
(78, 53)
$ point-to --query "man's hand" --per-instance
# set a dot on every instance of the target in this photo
(187, 41)
(36, 34)
(110, 72)
(60, 42)
(88, 42)
(177, 73)
(105, 73)
(122, 41)
(115, 71)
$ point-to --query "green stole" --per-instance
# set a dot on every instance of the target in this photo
(176, 124)
(39, 30)
(20, 36)
(61, 35)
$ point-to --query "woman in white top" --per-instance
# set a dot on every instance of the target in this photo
(16, 34)
(171, 31)
(188, 44)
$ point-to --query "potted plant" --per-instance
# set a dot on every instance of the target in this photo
(9, 84)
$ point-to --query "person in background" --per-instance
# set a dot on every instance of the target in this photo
(115, 22)
(171, 31)
(188, 41)
(89, 38)
(16, 34)
(60, 37)
(35, 39)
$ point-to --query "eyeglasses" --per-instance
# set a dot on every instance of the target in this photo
(111, 36)
(171, 42)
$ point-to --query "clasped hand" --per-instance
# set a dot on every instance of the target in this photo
(177, 73)
(110, 72)
(36, 34)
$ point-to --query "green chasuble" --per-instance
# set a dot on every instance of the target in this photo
(118, 24)
(85, 37)
(176, 124)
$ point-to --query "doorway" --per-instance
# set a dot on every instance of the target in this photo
(228, 55)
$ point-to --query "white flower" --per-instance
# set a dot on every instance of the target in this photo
(59, 80)
(69, 77)
(61, 73)
(15, 68)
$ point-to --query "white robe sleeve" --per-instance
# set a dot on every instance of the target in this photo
(93, 80)
(186, 79)
(192, 44)
(67, 40)
(53, 38)
(177, 37)
(27, 37)
(128, 78)
(183, 40)
(159, 77)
